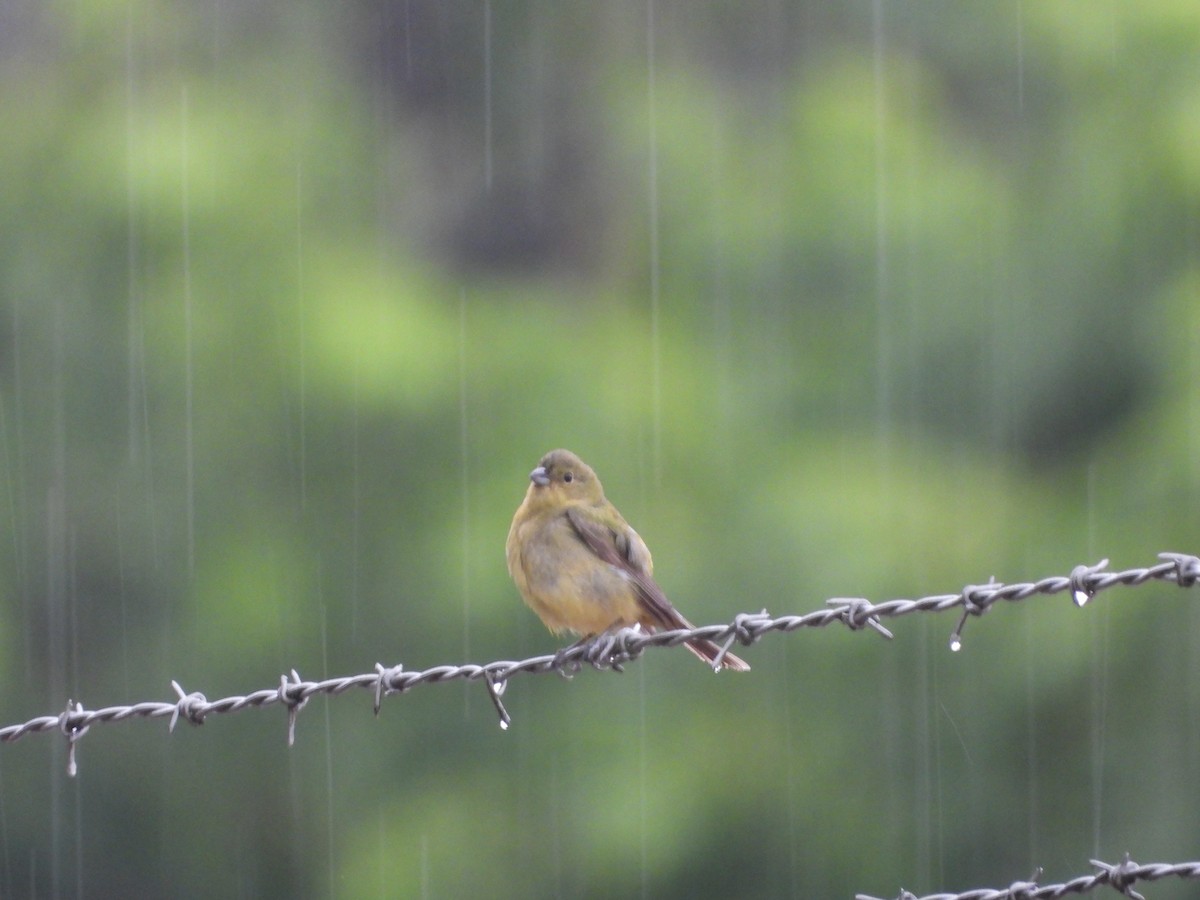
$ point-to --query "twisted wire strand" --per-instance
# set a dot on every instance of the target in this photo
(1121, 877)
(608, 651)
(611, 651)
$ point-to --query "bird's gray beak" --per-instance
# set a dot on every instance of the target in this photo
(539, 477)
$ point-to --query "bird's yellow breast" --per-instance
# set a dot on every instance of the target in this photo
(563, 581)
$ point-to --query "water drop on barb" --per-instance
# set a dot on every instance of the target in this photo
(956, 635)
(1081, 591)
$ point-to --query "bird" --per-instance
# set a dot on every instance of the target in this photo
(579, 565)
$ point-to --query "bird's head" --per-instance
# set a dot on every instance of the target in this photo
(562, 478)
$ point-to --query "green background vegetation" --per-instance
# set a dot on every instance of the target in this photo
(839, 299)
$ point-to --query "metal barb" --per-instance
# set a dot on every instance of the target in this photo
(1025, 890)
(193, 707)
(73, 733)
(293, 704)
(496, 688)
(1120, 877)
(718, 660)
(956, 635)
(749, 627)
(977, 605)
(383, 679)
(1187, 567)
(857, 613)
(973, 607)
(1082, 581)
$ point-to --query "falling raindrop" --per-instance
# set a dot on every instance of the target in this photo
(301, 361)
(329, 823)
(883, 327)
(643, 799)
(487, 94)
(1020, 61)
(188, 418)
(356, 503)
(465, 484)
(652, 191)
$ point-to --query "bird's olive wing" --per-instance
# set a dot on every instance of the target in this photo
(608, 546)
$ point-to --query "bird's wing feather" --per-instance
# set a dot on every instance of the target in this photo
(627, 553)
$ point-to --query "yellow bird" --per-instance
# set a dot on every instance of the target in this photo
(580, 566)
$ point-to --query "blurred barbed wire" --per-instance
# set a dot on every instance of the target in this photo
(607, 651)
(1120, 877)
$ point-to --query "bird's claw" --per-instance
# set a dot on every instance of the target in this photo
(606, 650)
(600, 650)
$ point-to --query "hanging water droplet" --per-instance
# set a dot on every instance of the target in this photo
(955, 644)
(1081, 597)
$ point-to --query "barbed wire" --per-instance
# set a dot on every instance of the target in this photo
(1120, 877)
(608, 651)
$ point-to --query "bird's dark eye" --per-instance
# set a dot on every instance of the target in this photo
(568, 477)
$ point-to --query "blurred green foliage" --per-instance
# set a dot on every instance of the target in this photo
(867, 299)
